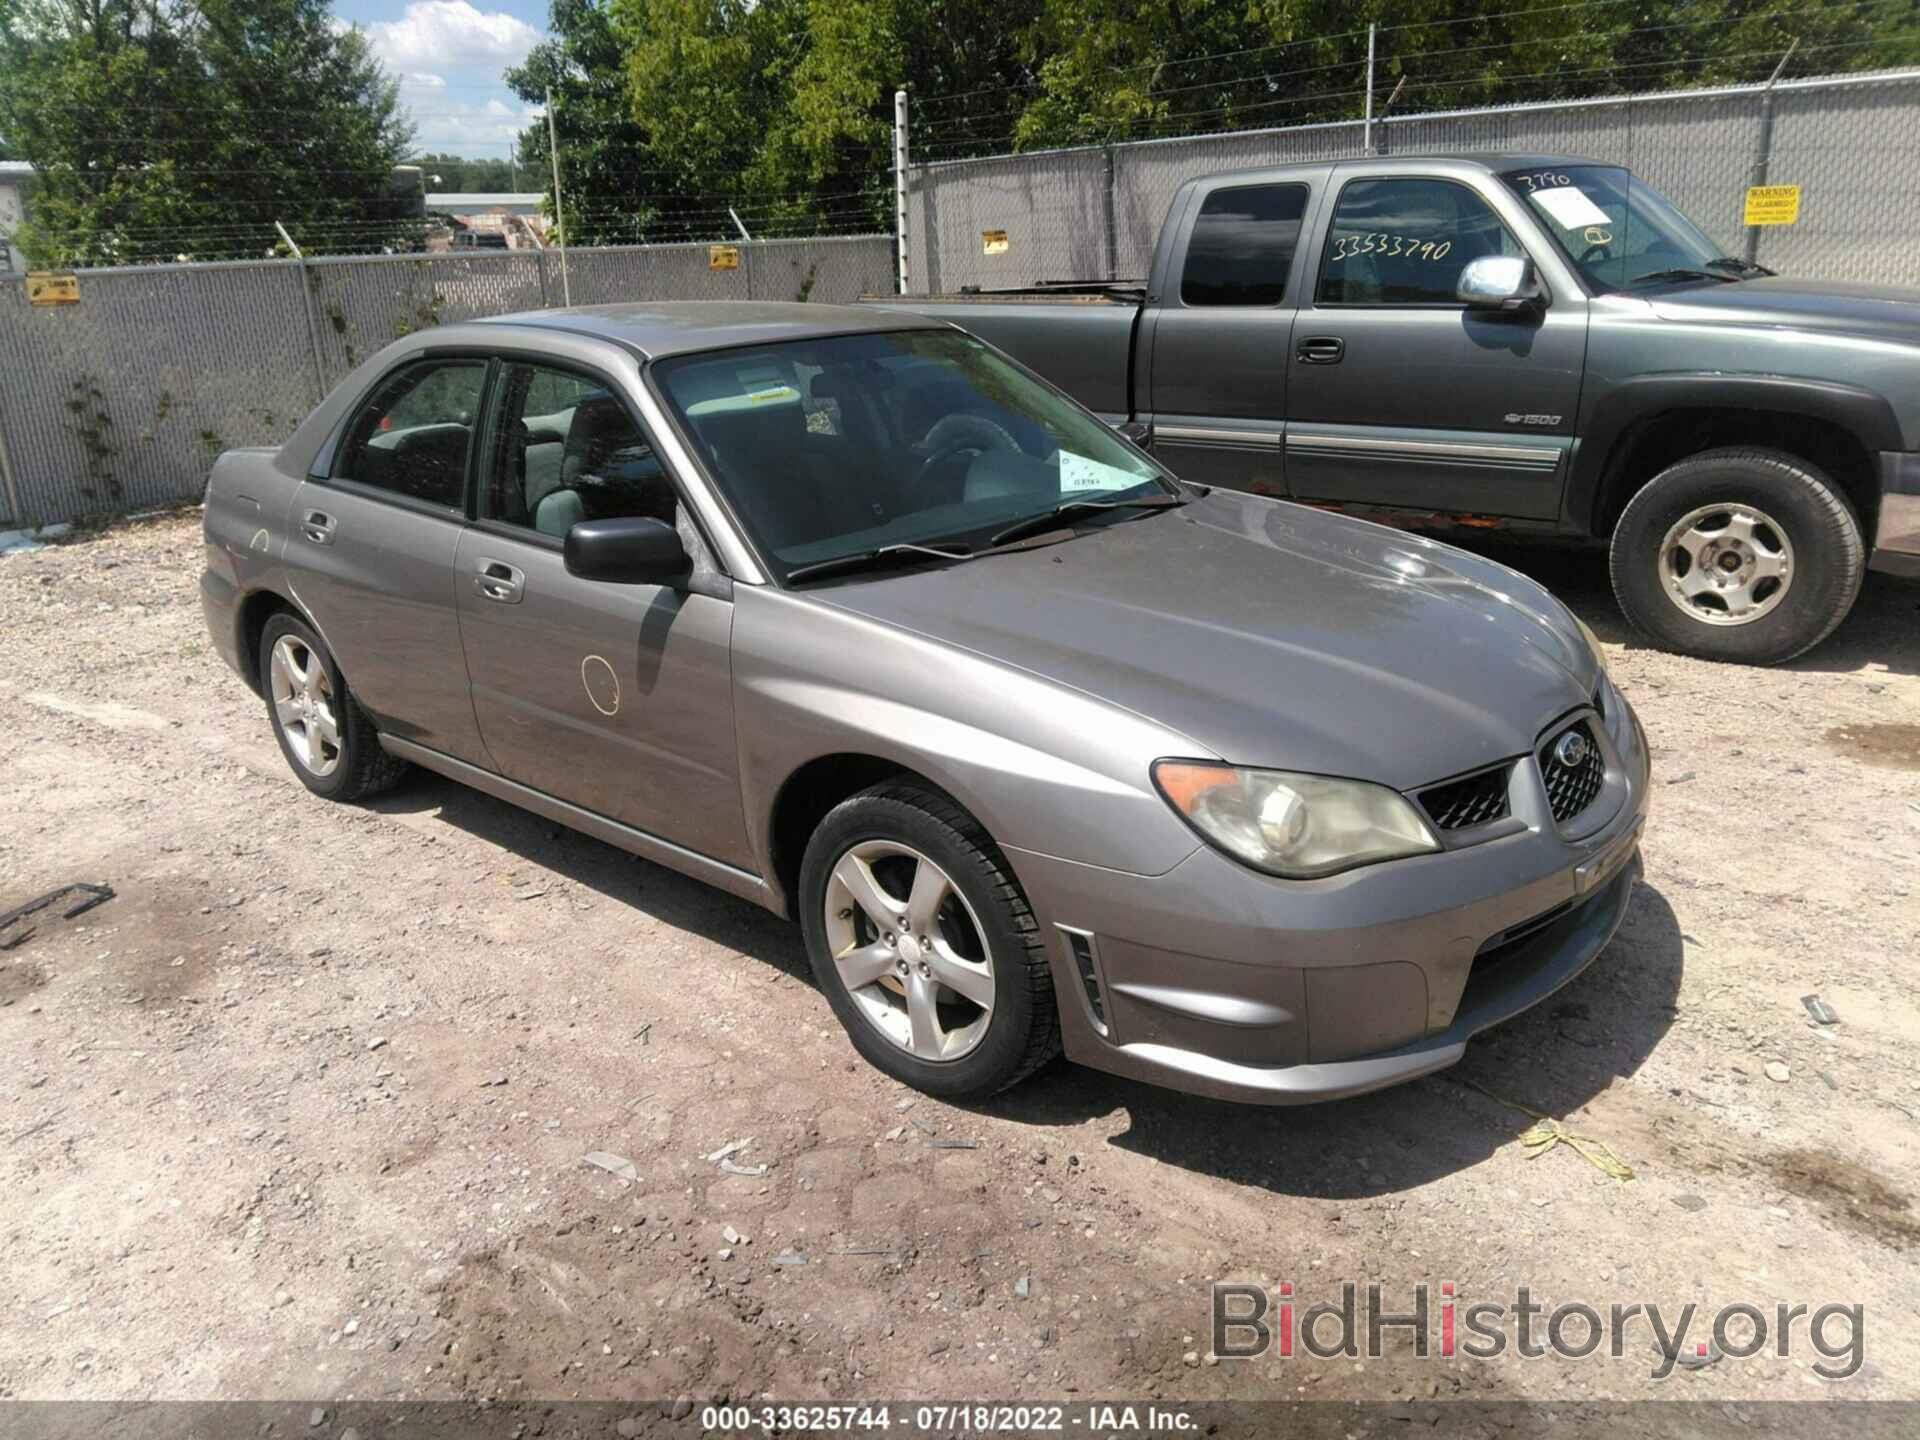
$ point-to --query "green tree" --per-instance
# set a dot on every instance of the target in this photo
(605, 160)
(166, 127)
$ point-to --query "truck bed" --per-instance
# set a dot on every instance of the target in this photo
(1079, 337)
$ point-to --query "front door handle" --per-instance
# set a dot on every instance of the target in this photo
(498, 581)
(318, 526)
(1321, 350)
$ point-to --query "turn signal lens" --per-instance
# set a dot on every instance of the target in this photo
(1299, 826)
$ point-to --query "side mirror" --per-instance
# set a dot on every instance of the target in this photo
(1500, 282)
(634, 550)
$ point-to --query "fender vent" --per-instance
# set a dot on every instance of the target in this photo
(1080, 946)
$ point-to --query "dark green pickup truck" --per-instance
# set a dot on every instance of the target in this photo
(1522, 341)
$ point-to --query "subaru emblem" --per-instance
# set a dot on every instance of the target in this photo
(1570, 750)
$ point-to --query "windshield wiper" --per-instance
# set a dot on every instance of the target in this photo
(1681, 274)
(861, 559)
(1038, 524)
(1734, 263)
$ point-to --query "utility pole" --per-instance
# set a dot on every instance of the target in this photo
(1366, 125)
(900, 181)
(559, 221)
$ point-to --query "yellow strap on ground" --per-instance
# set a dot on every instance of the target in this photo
(1546, 1132)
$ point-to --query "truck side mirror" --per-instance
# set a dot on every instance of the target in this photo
(1500, 282)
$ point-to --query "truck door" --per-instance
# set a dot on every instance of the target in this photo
(1402, 397)
(1216, 371)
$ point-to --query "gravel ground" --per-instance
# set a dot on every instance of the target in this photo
(302, 1111)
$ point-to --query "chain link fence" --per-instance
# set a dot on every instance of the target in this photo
(119, 403)
(1094, 213)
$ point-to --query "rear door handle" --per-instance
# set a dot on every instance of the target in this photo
(1321, 350)
(318, 526)
(498, 581)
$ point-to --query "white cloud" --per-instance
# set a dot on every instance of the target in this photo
(451, 33)
(420, 80)
(485, 132)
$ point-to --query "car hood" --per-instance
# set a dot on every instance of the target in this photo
(1777, 300)
(1269, 634)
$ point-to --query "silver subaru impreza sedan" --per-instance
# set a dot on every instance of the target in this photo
(850, 615)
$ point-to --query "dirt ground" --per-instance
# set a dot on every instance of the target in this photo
(302, 1111)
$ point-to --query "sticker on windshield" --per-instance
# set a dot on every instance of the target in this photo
(1077, 472)
(1570, 207)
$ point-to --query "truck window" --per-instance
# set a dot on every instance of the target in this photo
(1405, 242)
(1242, 245)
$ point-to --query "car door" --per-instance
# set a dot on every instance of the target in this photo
(1220, 337)
(615, 698)
(1401, 396)
(371, 553)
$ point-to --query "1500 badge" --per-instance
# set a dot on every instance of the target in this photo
(1517, 419)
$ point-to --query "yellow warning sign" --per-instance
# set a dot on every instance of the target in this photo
(993, 242)
(46, 288)
(1772, 205)
(723, 257)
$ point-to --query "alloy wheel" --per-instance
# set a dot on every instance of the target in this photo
(1726, 564)
(303, 702)
(909, 949)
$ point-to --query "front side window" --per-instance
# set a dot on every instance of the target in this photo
(836, 446)
(1619, 232)
(1242, 245)
(411, 437)
(1405, 242)
(567, 449)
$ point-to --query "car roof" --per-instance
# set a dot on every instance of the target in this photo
(1494, 163)
(657, 328)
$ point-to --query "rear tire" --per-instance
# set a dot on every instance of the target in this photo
(329, 741)
(907, 985)
(1742, 554)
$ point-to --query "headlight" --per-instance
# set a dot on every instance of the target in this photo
(1593, 641)
(1299, 826)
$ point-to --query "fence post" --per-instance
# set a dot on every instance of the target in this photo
(306, 301)
(1765, 149)
(900, 182)
(1366, 124)
(1106, 215)
(540, 251)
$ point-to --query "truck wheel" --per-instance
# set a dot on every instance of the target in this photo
(1740, 554)
(925, 945)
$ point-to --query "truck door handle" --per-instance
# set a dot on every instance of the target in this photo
(499, 581)
(318, 526)
(1321, 350)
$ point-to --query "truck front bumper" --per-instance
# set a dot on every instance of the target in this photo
(1214, 979)
(1896, 540)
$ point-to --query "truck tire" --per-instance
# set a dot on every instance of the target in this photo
(1740, 554)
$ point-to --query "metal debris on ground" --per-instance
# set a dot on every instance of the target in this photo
(90, 896)
(752, 1172)
(1681, 778)
(617, 1165)
(924, 1127)
(1822, 1013)
(732, 1147)
(789, 1257)
(1546, 1133)
(953, 1144)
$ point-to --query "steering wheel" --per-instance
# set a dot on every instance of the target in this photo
(951, 437)
(1598, 251)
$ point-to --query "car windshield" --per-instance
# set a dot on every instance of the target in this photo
(843, 445)
(1620, 233)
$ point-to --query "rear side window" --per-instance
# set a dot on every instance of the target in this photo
(412, 436)
(1242, 245)
(1405, 242)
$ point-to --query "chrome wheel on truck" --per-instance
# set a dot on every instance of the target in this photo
(1738, 554)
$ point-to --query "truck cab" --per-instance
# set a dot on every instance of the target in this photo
(1527, 342)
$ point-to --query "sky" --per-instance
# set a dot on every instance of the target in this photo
(448, 56)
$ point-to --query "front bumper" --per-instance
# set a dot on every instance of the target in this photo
(1221, 981)
(1896, 539)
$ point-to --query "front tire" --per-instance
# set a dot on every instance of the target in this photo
(924, 944)
(1741, 554)
(329, 741)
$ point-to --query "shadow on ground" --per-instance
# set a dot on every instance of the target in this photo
(1882, 632)
(1553, 1059)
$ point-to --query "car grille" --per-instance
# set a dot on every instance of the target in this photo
(1475, 800)
(1572, 788)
